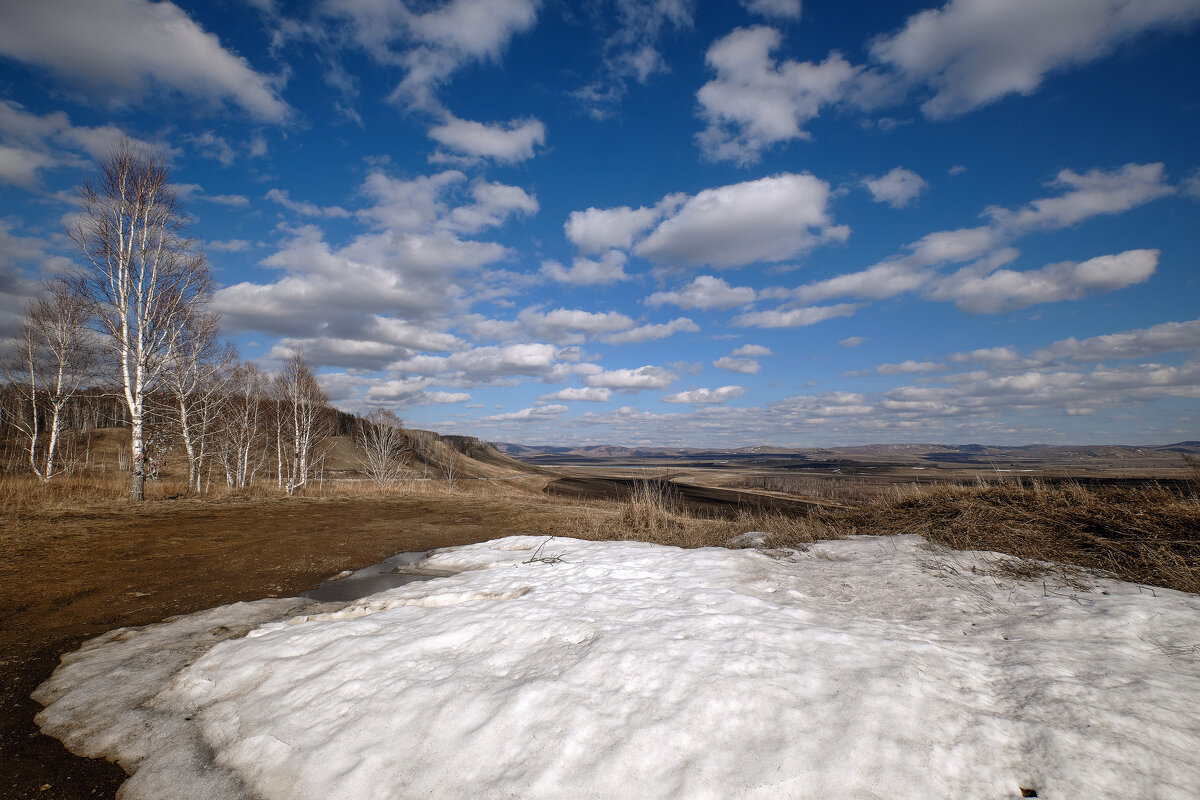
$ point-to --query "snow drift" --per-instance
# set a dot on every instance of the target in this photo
(862, 668)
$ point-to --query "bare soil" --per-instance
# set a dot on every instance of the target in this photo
(66, 577)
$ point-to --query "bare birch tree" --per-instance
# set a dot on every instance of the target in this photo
(141, 276)
(242, 439)
(302, 408)
(191, 374)
(384, 446)
(55, 357)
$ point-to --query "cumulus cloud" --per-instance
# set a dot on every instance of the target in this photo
(610, 268)
(633, 380)
(756, 101)
(897, 188)
(706, 293)
(630, 51)
(432, 45)
(229, 245)
(1088, 195)
(1008, 290)
(405, 269)
(967, 54)
(974, 52)
(706, 396)
(304, 208)
(648, 333)
(745, 366)
(133, 46)
(588, 394)
(1141, 343)
(992, 355)
(572, 325)
(744, 359)
(793, 317)
(30, 143)
(529, 414)
(597, 229)
(909, 367)
(440, 202)
(778, 9)
(505, 143)
(769, 219)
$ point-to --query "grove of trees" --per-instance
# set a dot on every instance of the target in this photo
(128, 340)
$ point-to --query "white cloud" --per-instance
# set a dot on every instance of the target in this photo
(1191, 184)
(756, 101)
(852, 341)
(495, 365)
(633, 380)
(30, 143)
(572, 325)
(769, 219)
(1094, 193)
(706, 293)
(794, 317)
(974, 52)
(587, 394)
(431, 46)
(129, 46)
(744, 359)
(610, 268)
(209, 145)
(505, 143)
(229, 245)
(984, 292)
(528, 414)
(882, 280)
(908, 367)
(434, 203)
(631, 52)
(20, 167)
(745, 366)
(779, 9)
(647, 333)
(304, 208)
(599, 229)
(1141, 343)
(1090, 194)
(897, 188)
(706, 396)
(194, 191)
(988, 355)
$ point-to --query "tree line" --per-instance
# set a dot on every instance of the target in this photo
(128, 338)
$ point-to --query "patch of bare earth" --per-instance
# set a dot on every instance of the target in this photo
(66, 576)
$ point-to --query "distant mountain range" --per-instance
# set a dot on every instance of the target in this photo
(932, 452)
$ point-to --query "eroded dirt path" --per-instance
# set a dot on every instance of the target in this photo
(65, 578)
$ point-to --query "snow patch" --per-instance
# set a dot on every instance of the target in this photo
(866, 667)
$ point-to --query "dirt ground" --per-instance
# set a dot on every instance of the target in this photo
(66, 577)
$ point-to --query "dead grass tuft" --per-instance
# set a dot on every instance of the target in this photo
(1145, 535)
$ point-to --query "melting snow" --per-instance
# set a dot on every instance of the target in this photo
(862, 668)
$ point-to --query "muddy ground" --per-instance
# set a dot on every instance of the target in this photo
(66, 577)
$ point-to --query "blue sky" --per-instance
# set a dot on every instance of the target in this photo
(661, 222)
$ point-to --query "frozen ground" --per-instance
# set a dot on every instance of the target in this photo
(861, 668)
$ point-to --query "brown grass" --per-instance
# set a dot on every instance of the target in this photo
(1148, 535)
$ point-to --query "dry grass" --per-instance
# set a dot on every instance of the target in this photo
(1148, 535)
(1145, 535)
